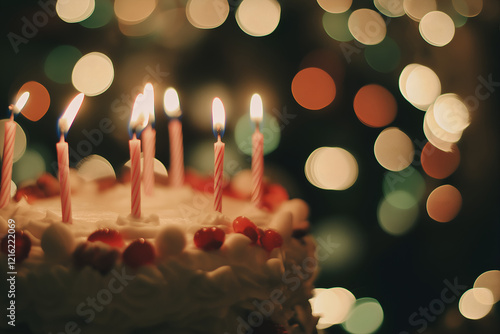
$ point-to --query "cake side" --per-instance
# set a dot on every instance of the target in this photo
(68, 282)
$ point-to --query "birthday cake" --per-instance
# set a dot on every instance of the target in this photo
(180, 268)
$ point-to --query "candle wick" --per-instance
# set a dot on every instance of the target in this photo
(62, 137)
(134, 136)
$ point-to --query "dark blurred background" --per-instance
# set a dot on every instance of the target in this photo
(403, 273)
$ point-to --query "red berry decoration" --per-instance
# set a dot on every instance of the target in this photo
(209, 238)
(245, 226)
(139, 253)
(22, 245)
(271, 240)
(108, 236)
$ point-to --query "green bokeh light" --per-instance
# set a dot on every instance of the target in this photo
(336, 26)
(395, 220)
(60, 62)
(102, 15)
(408, 180)
(29, 167)
(244, 129)
(366, 317)
(383, 57)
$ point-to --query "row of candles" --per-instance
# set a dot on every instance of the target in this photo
(143, 137)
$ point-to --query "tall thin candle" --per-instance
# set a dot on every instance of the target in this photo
(138, 121)
(63, 156)
(256, 114)
(219, 122)
(148, 138)
(8, 150)
(173, 110)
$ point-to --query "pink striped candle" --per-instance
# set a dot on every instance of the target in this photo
(176, 153)
(173, 111)
(63, 166)
(148, 139)
(135, 175)
(256, 114)
(65, 123)
(219, 122)
(7, 160)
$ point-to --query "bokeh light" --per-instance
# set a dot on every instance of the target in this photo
(383, 57)
(29, 167)
(73, 11)
(207, 14)
(93, 74)
(434, 140)
(19, 141)
(476, 303)
(390, 8)
(420, 85)
(437, 130)
(491, 281)
(336, 27)
(102, 15)
(158, 166)
(331, 168)
(439, 164)
(437, 28)
(367, 26)
(60, 62)
(95, 167)
(245, 128)
(397, 220)
(408, 180)
(13, 188)
(375, 106)
(332, 306)
(468, 8)
(416, 9)
(338, 6)
(394, 149)
(344, 242)
(38, 101)
(451, 114)
(132, 11)
(258, 17)
(444, 203)
(366, 317)
(313, 88)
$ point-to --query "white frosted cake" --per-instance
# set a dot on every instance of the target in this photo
(181, 268)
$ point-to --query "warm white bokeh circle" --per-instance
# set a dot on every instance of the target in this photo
(476, 303)
(73, 11)
(258, 17)
(331, 168)
(394, 149)
(367, 26)
(93, 74)
(437, 28)
(207, 14)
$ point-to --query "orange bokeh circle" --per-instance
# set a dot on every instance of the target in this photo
(313, 88)
(439, 164)
(444, 203)
(38, 102)
(375, 106)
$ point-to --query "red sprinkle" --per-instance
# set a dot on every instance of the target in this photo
(209, 238)
(108, 236)
(139, 253)
(22, 245)
(270, 240)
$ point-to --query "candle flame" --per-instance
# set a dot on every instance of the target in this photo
(140, 115)
(171, 103)
(256, 111)
(21, 102)
(69, 115)
(218, 116)
(149, 95)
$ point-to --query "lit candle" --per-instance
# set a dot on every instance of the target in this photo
(173, 110)
(63, 157)
(148, 138)
(8, 149)
(218, 122)
(138, 121)
(256, 114)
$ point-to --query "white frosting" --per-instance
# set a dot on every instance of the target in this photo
(188, 290)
